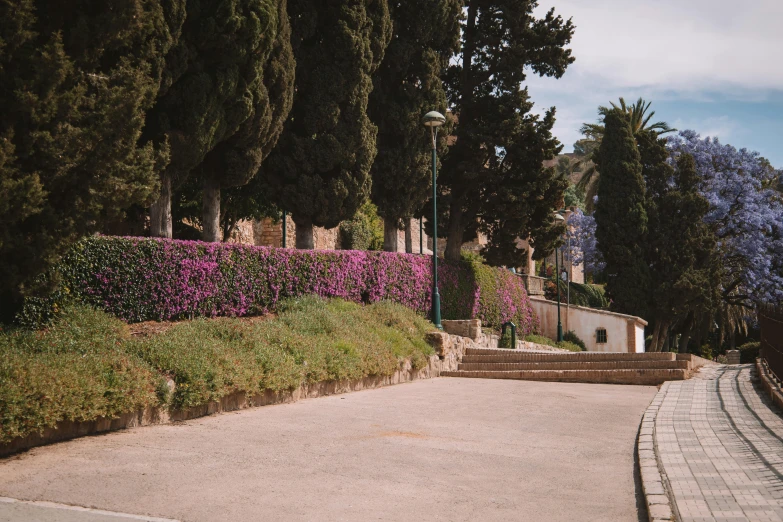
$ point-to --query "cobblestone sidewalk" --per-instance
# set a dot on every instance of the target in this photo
(720, 445)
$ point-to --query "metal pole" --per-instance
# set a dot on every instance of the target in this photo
(435, 294)
(285, 232)
(557, 279)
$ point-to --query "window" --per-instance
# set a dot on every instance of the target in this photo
(600, 336)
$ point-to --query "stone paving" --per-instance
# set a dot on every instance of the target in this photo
(719, 443)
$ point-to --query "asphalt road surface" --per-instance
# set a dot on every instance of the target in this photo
(444, 449)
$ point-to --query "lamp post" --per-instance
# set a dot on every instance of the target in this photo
(558, 218)
(433, 120)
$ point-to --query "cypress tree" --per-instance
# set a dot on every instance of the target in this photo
(320, 169)
(621, 217)
(406, 86)
(493, 176)
(76, 80)
(681, 246)
(229, 88)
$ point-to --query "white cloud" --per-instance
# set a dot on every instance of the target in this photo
(665, 50)
(712, 45)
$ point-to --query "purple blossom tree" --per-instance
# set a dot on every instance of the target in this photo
(747, 213)
(584, 248)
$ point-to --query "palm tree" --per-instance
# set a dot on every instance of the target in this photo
(594, 133)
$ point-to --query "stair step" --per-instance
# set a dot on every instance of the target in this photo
(641, 377)
(575, 365)
(473, 355)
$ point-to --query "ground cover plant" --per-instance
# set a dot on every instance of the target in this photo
(87, 365)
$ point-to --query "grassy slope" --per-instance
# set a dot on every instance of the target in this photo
(87, 365)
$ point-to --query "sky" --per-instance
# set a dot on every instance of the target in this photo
(713, 66)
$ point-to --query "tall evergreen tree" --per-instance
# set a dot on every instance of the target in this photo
(621, 217)
(76, 80)
(681, 245)
(320, 169)
(229, 88)
(406, 86)
(493, 177)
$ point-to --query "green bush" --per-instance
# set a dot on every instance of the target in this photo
(546, 341)
(571, 347)
(749, 352)
(571, 337)
(87, 365)
(76, 370)
(706, 351)
(364, 231)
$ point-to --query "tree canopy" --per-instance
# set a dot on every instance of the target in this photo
(493, 177)
(621, 216)
(228, 90)
(320, 169)
(405, 87)
(77, 78)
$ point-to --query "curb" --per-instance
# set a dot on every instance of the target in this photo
(654, 482)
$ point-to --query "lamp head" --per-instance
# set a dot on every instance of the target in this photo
(434, 119)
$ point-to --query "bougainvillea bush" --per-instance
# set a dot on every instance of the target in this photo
(138, 279)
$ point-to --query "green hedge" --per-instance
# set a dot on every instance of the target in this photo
(137, 279)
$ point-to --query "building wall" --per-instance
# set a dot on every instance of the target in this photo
(624, 333)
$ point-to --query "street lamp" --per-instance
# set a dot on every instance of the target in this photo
(558, 218)
(433, 120)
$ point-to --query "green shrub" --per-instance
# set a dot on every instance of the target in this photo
(571, 337)
(571, 347)
(364, 231)
(546, 341)
(749, 352)
(706, 351)
(86, 365)
(540, 339)
(76, 370)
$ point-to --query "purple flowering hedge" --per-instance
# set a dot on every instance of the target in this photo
(138, 279)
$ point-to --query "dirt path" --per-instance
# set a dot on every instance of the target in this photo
(446, 449)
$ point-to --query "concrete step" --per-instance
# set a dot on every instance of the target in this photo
(473, 355)
(575, 365)
(641, 377)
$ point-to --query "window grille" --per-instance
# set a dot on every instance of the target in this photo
(600, 335)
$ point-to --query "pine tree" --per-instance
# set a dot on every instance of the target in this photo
(621, 217)
(320, 169)
(76, 80)
(406, 86)
(493, 177)
(229, 89)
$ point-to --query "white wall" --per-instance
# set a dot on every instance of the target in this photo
(624, 333)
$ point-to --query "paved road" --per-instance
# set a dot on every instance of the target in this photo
(721, 447)
(446, 449)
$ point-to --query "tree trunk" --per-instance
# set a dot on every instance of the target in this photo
(666, 340)
(304, 234)
(687, 330)
(160, 211)
(390, 233)
(408, 237)
(456, 231)
(210, 211)
(656, 337)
